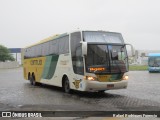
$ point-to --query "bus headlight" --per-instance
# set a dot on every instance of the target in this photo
(90, 78)
(125, 77)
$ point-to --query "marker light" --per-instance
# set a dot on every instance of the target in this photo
(125, 77)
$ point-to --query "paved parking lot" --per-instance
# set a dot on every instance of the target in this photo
(142, 94)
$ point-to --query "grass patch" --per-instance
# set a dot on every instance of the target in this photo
(138, 67)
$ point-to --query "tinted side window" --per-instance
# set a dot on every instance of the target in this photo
(54, 47)
(29, 52)
(25, 53)
(45, 48)
(63, 45)
(76, 52)
(37, 51)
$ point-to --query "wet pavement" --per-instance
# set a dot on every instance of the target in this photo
(143, 93)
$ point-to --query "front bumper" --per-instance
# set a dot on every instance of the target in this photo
(98, 86)
(154, 69)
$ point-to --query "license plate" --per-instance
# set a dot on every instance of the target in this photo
(110, 86)
(103, 78)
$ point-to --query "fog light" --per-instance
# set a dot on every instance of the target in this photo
(125, 77)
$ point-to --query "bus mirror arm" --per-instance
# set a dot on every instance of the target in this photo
(132, 49)
(84, 48)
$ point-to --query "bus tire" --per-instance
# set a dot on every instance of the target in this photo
(32, 80)
(66, 86)
(101, 91)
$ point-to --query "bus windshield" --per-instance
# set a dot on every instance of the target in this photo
(154, 61)
(106, 59)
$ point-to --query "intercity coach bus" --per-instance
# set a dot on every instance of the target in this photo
(92, 61)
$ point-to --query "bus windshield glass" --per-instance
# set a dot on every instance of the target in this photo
(101, 36)
(106, 52)
(106, 59)
(154, 61)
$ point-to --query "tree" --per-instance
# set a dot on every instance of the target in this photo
(5, 54)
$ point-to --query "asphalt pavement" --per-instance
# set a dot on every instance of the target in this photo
(16, 94)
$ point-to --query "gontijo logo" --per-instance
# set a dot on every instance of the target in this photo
(36, 62)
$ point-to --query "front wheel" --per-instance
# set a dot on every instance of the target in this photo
(66, 86)
(101, 91)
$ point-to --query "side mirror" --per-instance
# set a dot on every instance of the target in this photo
(84, 48)
(132, 50)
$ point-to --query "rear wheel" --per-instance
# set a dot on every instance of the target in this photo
(32, 80)
(66, 85)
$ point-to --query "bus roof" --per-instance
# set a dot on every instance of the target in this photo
(153, 54)
(64, 34)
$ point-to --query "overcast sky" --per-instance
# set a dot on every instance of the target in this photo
(24, 22)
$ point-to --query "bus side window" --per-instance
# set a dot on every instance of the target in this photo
(45, 49)
(54, 47)
(63, 45)
(76, 52)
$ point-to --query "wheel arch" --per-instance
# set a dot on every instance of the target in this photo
(63, 79)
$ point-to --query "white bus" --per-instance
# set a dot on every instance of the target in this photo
(82, 60)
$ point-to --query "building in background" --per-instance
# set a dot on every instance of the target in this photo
(16, 52)
(141, 56)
